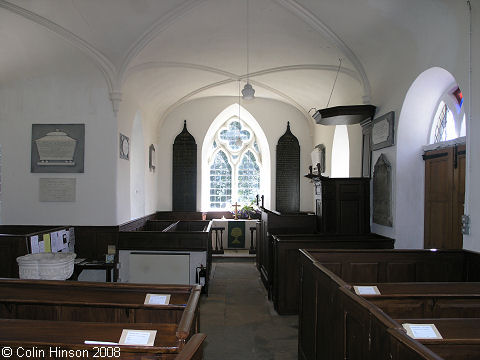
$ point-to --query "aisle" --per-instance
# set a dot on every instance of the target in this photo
(240, 322)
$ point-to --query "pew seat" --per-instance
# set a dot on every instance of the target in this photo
(46, 339)
(461, 337)
(100, 302)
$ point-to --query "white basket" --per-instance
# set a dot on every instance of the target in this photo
(46, 266)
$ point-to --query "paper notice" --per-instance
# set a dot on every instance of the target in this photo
(46, 241)
(157, 299)
(34, 244)
(422, 331)
(138, 337)
(366, 290)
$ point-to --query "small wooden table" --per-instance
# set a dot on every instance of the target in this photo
(93, 265)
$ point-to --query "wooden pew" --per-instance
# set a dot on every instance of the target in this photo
(428, 300)
(177, 236)
(272, 223)
(461, 337)
(378, 266)
(404, 347)
(318, 304)
(65, 339)
(193, 349)
(358, 323)
(286, 270)
(100, 302)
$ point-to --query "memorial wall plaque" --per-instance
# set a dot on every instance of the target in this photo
(382, 192)
(57, 148)
(184, 192)
(57, 189)
(288, 173)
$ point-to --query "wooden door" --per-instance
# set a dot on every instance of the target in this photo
(444, 197)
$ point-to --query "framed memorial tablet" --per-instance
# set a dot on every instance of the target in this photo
(124, 147)
(57, 148)
(382, 131)
(157, 299)
(137, 337)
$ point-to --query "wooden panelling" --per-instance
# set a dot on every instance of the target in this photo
(400, 271)
(273, 223)
(358, 326)
(285, 275)
(342, 205)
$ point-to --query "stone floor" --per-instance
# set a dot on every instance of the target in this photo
(238, 319)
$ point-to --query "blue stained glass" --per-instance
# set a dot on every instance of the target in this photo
(220, 181)
(234, 136)
(248, 179)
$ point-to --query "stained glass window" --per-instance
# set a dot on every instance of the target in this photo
(220, 181)
(248, 178)
(445, 124)
(235, 165)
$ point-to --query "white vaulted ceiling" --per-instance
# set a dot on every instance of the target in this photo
(166, 52)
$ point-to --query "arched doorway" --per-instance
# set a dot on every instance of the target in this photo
(413, 133)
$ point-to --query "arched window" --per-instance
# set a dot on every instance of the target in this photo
(340, 153)
(235, 165)
(449, 120)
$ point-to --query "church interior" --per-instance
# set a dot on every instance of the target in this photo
(307, 155)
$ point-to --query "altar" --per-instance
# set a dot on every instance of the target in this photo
(237, 234)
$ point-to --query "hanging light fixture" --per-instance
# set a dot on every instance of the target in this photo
(343, 115)
(248, 91)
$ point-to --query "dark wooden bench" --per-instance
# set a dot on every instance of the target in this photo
(46, 339)
(272, 223)
(461, 337)
(428, 300)
(286, 270)
(100, 302)
(356, 324)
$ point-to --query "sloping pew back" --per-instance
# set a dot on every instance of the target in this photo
(100, 302)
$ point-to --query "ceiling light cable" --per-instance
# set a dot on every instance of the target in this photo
(334, 82)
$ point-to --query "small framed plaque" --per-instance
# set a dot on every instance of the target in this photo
(383, 131)
(124, 147)
(151, 157)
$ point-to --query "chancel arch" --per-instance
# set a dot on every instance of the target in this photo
(235, 160)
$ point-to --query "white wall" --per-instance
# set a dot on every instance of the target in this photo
(136, 175)
(472, 196)
(137, 169)
(271, 115)
(67, 93)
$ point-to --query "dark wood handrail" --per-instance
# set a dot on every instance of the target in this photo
(191, 348)
(188, 315)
